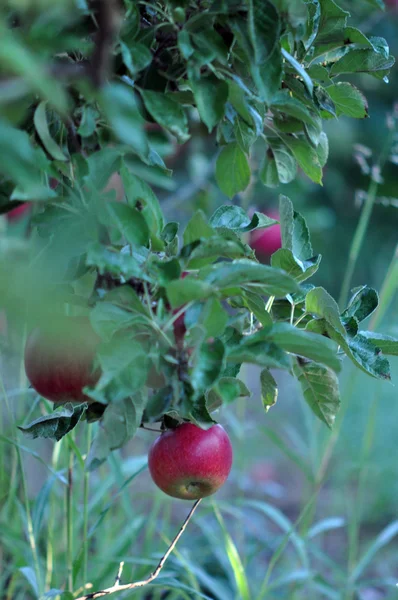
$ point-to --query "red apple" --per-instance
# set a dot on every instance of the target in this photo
(267, 241)
(19, 211)
(59, 362)
(189, 462)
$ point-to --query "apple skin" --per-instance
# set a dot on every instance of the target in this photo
(18, 212)
(59, 363)
(189, 462)
(267, 241)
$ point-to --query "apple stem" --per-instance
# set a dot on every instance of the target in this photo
(129, 586)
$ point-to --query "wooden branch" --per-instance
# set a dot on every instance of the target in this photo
(117, 587)
(109, 20)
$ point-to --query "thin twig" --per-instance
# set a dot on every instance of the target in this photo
(129, 586)
(109, 21)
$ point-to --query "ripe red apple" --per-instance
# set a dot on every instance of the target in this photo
(267, 241)
(19, 211)
(59, 362)
(189, 462)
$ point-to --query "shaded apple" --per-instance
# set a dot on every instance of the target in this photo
(189, 462)
(59, 362)
(18, 212)
(267, 241)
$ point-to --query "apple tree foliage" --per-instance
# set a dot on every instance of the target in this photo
(80, 85)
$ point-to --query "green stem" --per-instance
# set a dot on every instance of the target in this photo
(51, 522)
(69, 519)
(269, 304)
(29, 522)
(86, 490)
(388, 289)
(363, 223)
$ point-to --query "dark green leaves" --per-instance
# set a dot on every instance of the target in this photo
(362, 304)
(348, 100)
(320, 389)
(168, 113)
(294, 230)
(208, 365)
(232, 170)
(269, 389)
(210, 96)
(300, 270)
(235, 218)
(56, 424)
(264, 29)
(130, 223)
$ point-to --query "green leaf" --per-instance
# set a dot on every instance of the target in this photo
(209, 361)
(211, 249)
(283, 102)
(363, 61)
(348, 100)
(306, 156)
(210, 95)
(286, 218)
(235, 218)
(56, 424)
(303, 343)
(184, 43)
(333, 20)
(137, 190)
(299, 70)
(119, 425)
(112, 262)
(107, 318)
(167, 112)
(320, 387)
(281, 160)
(264, 29)
(120, 108)
(319, 302)
(136, 57)
(272, 281)
(41, 125)
(268, 75)
(258, 350)
(197, 228)
(182, 291)
(386, 343)
(209, 315)
(300, 270)
(362, 304)
(130, 222)
(88, 122)
(226, 391)
(255, 303)
(269, 389)
(232, 170)
(294, 231)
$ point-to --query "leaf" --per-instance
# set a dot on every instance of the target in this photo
(257, 350)
(306, 156)
(264, 29)
(244, 271)
(255, 303)
(119, 425)
(167, 112)
(384, 538)
(209, 315)
(294, 231)
(363, 61)
(319, 302)
(130, 222)
(386, 343)
(56, 424)
(279, 160)
(208, 365)
(115, 263)
(362, 304)
(210, 95)
(286, 218)
(31, 578)
(304, 343)
(320, 388)
(41, 125)
(197, 228)
(235, 218)
(299, 270)
(299, 70)
(137, 190)
(268, 75)
(182, 291)
(333, 20)
(232, 170)
(101, 166)
(120, 108)
(226, 391)
(269, 389)
(107, 318)
(348, 100)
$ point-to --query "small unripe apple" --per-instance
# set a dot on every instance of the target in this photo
(189, 462)
(59, 362)
(267, 241)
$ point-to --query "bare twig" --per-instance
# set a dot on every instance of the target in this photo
(109, 21)
(129, 586)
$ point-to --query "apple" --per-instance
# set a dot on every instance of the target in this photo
(59, 361)
(18, 212)
(189, 462)
(267, 241)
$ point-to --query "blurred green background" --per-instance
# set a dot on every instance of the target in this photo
(306, 513)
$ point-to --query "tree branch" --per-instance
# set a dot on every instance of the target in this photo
(109, 21)
(117, 587)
